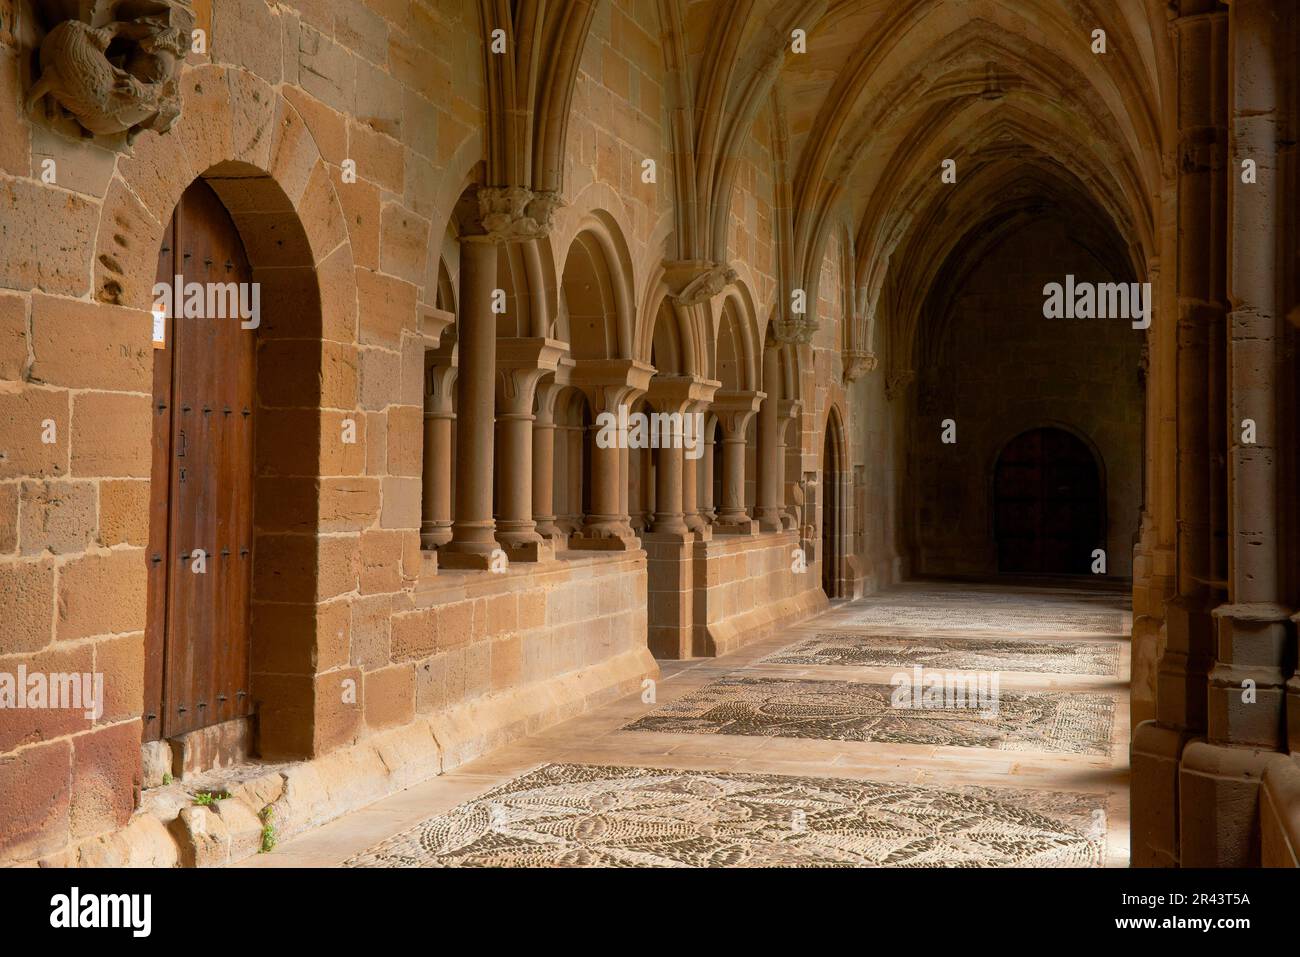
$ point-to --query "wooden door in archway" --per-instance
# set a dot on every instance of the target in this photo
(201, 498)
(831, 517)
(1048, 504)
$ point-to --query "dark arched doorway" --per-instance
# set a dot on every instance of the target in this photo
(834, 519)
(1049, 504)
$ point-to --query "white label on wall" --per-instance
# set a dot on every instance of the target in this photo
(159, 329)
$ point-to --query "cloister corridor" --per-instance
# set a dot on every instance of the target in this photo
(786, 753)
(651, 433)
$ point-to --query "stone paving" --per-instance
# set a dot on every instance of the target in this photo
(1039, 781)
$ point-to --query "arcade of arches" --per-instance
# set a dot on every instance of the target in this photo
(797, 254)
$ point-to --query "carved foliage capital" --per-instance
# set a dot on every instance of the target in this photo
(507, 214)
(789, 328)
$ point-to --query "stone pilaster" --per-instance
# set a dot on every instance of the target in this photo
(769, 461)
(1201, 51)
(787, 412)
(1220, 777)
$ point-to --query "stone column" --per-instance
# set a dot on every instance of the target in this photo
(1219, 782)
(435, 519)
(473, 532)
(671, 397)
(544, 459)
(770, 453)
(1201, 52)
(576, 434)
(708, 510)
(734, 411)
(611, 387)
(693, 459)
(521, 364)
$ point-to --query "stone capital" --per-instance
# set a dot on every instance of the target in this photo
(734, 410)
(521, 363)
(507, 214)
(693, 281)
(439, 389)
(788, 328)
(680, 393)
(548, 391)
(609, 383)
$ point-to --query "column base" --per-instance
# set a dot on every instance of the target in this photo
(769, 520)
(1153, 794)
(1252, 643)
(606, 543)
(739, 527)
(1218, 798)
(677, 528)
(467, 561)
(435, 537)
(541, 550)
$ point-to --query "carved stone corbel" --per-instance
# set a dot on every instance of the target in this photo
(896, 383)
(693, 281)
(857, 362)
(115, 68)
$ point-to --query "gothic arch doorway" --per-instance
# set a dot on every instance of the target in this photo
(834, 509)
(201, 491)
(1049, 504)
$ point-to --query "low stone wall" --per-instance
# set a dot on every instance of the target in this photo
(478, 661)
(750, 589)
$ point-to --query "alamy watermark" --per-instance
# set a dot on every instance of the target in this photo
(1093, 300)
(925, 688)
(656, 430)
(209, 300)
(53, 690)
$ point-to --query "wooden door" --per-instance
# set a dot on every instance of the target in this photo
(1048, 504)
(201, 508)
(830, 517)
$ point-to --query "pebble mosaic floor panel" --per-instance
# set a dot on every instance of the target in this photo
(1071, 722)
(852, 649)
(600, 816)
(990, 612)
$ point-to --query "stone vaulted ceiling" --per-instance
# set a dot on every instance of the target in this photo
(889, 89)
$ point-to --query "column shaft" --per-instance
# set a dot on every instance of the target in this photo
(473, 527)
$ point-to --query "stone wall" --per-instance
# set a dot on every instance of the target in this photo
(751, 588)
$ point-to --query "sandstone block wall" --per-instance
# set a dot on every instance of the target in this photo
(356, 634)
